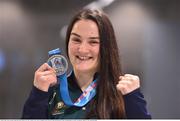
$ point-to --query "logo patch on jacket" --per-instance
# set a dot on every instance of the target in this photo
(59, 108)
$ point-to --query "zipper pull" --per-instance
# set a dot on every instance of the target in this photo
(50, 102)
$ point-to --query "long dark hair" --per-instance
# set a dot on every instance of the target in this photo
(108, 102)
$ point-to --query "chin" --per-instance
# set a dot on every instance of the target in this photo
(81, 69)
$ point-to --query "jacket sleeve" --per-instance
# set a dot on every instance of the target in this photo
(36, 106)
(135, 105)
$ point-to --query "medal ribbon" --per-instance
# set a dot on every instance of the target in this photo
(85, 97)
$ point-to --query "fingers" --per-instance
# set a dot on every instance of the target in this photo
(49, 72)
(44, 70)
(128, 83)
(129, 77)
(44, 67)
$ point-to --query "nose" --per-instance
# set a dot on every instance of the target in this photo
(83, 48)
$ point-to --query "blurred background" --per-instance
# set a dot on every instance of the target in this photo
(147, 31)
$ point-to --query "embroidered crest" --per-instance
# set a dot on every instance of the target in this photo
(59, 108)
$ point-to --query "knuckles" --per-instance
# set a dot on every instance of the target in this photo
(128, 83)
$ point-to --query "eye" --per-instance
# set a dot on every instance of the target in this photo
(75, 40)
(94, 42)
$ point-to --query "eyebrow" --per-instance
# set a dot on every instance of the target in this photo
(80, 36)
(75, 34)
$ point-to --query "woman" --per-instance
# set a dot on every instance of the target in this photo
(92, 50)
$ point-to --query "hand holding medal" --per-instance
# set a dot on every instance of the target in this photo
(47, 73)
(44, 77)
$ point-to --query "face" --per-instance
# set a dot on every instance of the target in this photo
(83, 47)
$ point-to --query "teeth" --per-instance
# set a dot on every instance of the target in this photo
(83, 57)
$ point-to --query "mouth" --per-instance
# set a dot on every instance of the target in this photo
(83, 58)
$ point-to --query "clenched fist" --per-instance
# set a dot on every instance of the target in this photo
(45, 77)
(128, 83)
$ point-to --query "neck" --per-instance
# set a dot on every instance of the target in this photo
(84, 79)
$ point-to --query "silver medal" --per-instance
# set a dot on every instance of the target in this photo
(59, 63)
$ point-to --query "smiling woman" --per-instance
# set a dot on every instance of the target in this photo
(93, 52)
